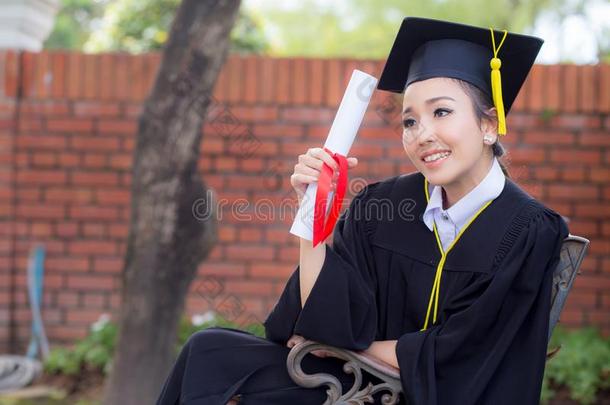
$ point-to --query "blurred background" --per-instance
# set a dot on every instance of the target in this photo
(80, 80)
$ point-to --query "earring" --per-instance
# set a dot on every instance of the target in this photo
(487, 138)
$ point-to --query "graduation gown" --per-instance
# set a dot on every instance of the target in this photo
(488, 344)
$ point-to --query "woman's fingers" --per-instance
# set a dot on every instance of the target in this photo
(304, 169)
(324, 156)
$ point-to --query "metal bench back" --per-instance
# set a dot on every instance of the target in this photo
(573, 251)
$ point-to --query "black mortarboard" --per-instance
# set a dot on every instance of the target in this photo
(426, 48)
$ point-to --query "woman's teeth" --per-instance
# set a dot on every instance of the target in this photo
(436, 156)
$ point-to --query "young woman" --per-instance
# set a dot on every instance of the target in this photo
(444, 273)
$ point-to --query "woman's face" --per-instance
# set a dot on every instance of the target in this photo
(438, 116)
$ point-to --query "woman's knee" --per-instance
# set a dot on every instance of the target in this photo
(216, 337)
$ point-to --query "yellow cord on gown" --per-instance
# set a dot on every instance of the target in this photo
(439, 269)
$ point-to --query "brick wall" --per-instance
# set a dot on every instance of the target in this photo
(67, 129)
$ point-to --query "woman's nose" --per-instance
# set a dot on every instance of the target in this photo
(425, 133)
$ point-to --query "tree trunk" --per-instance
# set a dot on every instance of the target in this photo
(166, 240)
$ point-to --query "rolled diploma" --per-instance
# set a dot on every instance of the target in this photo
(340, 139)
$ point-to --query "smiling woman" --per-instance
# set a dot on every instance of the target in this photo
(454, 292)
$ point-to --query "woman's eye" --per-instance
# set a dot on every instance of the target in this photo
(442, 110)
(408, 123)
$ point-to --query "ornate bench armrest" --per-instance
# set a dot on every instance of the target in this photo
(355, 363)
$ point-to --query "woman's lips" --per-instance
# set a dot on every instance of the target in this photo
(436, 163)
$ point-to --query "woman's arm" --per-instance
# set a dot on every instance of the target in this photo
(384, 350)
(311, 261)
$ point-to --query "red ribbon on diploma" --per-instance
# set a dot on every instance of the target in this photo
(320, 230)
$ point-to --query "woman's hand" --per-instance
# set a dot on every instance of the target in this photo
(307, 170)
(295, 339)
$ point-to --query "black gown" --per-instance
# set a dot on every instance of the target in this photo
(487, 346)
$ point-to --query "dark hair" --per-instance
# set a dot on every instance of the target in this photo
(481, 103)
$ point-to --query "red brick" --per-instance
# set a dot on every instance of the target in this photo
(28, 74)
(54, 142)
(70, 125)
(282, 81)
(93, 143)
(236, 74)
(222, 269)
(41, 177)
(255, 113)
(121, 127)
(594, 139)
(552, 87)
(526, 156)
(42, 159)
(316, 74)
(91, 76)
(277, 130)
(44, 76)
(93, 247)
(94, 300)
(604, 83)
(249, 252)
(107, 265)
(600, 175)
(66, 229)
(118, 231)
(67, 264)
(58, 70)
(137, 84)
(307, 114)
(267, 68)
(68, 195)
(573, 192)
(587, 75)
(587, 157)
(122, 83)
(271, 270)
(114, 197)
(252, 83)
(95, 109)
(593, 210)
(94, 213)
(94, 179)
(536, 100)
(121, 161)
(37, 108)
(569, 83)
(82, 316)
(573, 173)
(549, 138)
(94, 160)
(300, 81)
(39, 229)
(74, 73)
(248, 287)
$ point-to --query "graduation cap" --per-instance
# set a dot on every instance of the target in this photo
(426, 48)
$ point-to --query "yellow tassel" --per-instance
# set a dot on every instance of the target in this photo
(496, 83)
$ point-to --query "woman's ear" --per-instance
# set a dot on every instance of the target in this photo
(489, 123)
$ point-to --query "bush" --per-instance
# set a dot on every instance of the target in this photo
(582, 365)
(95, 351)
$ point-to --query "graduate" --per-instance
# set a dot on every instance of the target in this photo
(444, 273)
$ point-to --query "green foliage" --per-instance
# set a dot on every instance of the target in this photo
(136, 26)
(367, 28)
(582, 364)
(74, 22)
(94, 351)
